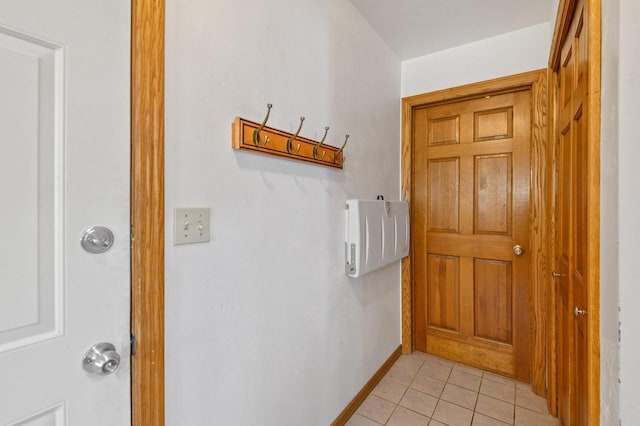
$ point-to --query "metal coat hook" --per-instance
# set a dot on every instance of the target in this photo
(335, 156)
(256, 133)
(315, 148)
(293, 138)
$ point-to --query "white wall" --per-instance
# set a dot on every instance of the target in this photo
(609, 276)
(263, 327)
(503, 55)
(553, 14)
(629, 225)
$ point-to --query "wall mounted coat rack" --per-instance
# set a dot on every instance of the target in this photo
(258, 138)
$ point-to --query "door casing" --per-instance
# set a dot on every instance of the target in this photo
(536, 81)
(147, 211)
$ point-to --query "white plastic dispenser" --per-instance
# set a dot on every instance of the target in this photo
(376, 233)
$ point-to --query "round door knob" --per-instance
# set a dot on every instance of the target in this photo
(577, 311)
(518, 250)
(101, 358)
(555, 274)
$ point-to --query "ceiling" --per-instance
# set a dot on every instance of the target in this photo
(418, 27)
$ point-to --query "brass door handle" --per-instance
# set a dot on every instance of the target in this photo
(555, 274)
(518, 250)
(577, 311)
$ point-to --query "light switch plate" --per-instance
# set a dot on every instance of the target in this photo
(190, 225)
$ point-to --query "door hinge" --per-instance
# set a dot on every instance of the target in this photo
(619, 331)
(619, 326)
(131, 237)
(133, 344)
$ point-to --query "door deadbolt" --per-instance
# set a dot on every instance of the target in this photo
(97, 239)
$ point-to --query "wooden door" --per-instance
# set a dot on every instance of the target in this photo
(580, 267)
(571, 263)
(471, 207)
(64, 167)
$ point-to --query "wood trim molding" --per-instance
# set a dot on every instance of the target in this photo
(552, 117)
(536, 81)
(147, 211)
(561, 28)
(408, 325)
(539, 234)
(594, 13)
(351, 408)
(474, 90)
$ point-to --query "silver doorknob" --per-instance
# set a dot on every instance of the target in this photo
(555, 274)
(518, 250)
(577, 311)
(101, 358)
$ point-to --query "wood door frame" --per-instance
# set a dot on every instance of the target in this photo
(147, 211)
(536, 81)
(566, 9)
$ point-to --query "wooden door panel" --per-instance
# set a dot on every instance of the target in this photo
(493, 124)
(443, 292)
(443, 192)
(581, 351)
(472, 170)
(564, 199)
(444, 131)
(567, 77)
(492, 194)
(580, 37)
(493, 300)
(563, 354)
(580, 196)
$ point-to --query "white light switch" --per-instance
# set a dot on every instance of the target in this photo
(190, 225)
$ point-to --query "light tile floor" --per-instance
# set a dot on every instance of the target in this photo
(422, 390)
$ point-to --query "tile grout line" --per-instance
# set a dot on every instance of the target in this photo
(397, 404)
(409, 387)
(452, 366)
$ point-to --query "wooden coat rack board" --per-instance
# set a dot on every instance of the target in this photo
(258, 138)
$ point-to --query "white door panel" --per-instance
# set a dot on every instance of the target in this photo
(64, 166)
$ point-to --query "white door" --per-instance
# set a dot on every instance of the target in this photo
(64, 167)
